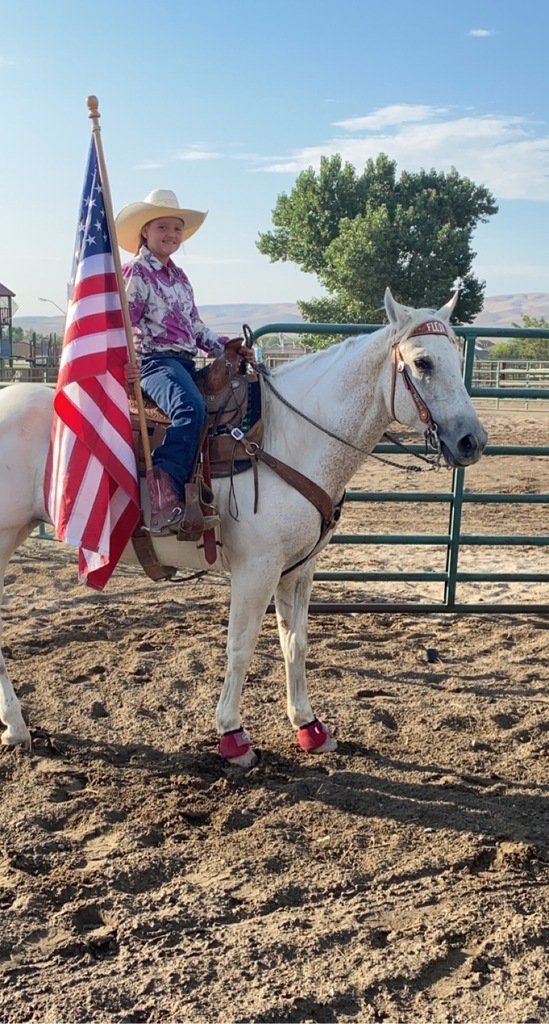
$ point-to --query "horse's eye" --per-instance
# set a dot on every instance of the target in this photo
(423, 365)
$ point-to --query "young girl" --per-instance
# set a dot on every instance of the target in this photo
(168, 333)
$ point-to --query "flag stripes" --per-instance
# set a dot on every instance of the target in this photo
(91, 487)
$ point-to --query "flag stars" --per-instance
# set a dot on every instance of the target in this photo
(92, 234)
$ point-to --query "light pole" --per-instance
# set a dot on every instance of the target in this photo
(63, 311)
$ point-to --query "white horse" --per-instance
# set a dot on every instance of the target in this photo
(337, 403)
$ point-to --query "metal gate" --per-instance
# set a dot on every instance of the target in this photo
(455, 497)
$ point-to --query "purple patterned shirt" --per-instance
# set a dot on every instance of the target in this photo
(162, 309)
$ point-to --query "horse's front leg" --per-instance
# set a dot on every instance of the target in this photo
(292, 609)
(15, 732)
(251, 591)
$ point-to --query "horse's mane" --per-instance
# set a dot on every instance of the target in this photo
(323, 359)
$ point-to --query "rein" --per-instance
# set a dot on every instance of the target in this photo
(398, 366)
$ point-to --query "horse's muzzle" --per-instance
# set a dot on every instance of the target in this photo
(466, 450)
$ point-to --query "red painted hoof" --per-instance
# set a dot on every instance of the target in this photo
(312, 736)
(234, 743)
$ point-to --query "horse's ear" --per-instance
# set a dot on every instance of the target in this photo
(446, 311)
(397, 314)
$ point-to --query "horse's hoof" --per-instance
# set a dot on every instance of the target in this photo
(330, 743)
(316, 738)
(236, 747)
(10, 743)
(248, 760)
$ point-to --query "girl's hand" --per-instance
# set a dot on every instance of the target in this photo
(131, 373)
(242, 350)
(248, 354)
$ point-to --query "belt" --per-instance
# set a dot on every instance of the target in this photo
(169, 352)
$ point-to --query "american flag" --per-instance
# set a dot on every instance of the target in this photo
(91, 487)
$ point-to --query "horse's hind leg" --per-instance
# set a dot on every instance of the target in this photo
(15, 732)
(292, 609)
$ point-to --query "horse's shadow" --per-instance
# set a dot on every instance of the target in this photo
(489, 808)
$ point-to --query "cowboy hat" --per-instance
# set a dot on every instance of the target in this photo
(159, 203)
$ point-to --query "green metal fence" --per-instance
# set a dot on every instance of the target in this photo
(455, 497)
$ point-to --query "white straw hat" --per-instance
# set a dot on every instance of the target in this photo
(159, 203)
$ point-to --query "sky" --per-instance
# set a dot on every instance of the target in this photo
(225, 102)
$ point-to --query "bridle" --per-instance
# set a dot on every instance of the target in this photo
(399, 366)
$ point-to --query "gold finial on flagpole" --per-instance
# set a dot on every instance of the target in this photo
(93, 106)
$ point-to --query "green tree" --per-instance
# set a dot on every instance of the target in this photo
(360, 233)
(524, 348)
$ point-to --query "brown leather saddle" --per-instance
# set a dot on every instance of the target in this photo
(232, 443)
(232, 396)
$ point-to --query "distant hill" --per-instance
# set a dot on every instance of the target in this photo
(229, 319)
(226, 319)
(40, 324)
(505, 310)
(499, 311)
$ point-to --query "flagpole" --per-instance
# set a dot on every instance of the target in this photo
(93, 107)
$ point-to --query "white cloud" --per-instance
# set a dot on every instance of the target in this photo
(250, 157)
(481, 33)
(148, 165)
(392, 115)
(198, 152)
(507, 154)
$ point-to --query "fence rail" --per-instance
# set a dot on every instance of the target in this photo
(503, 386)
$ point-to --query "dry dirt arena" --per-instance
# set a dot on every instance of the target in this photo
(404, 878)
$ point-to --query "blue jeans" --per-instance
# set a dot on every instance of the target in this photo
(169, 381)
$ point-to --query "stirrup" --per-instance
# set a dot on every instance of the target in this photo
(166, 521)
(209, 511)
(211, 518)
(211, 522)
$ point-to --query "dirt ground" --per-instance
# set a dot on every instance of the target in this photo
(403, 878)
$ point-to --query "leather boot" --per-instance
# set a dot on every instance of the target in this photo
(166, 508)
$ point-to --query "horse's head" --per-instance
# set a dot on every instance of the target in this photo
(427, 389)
